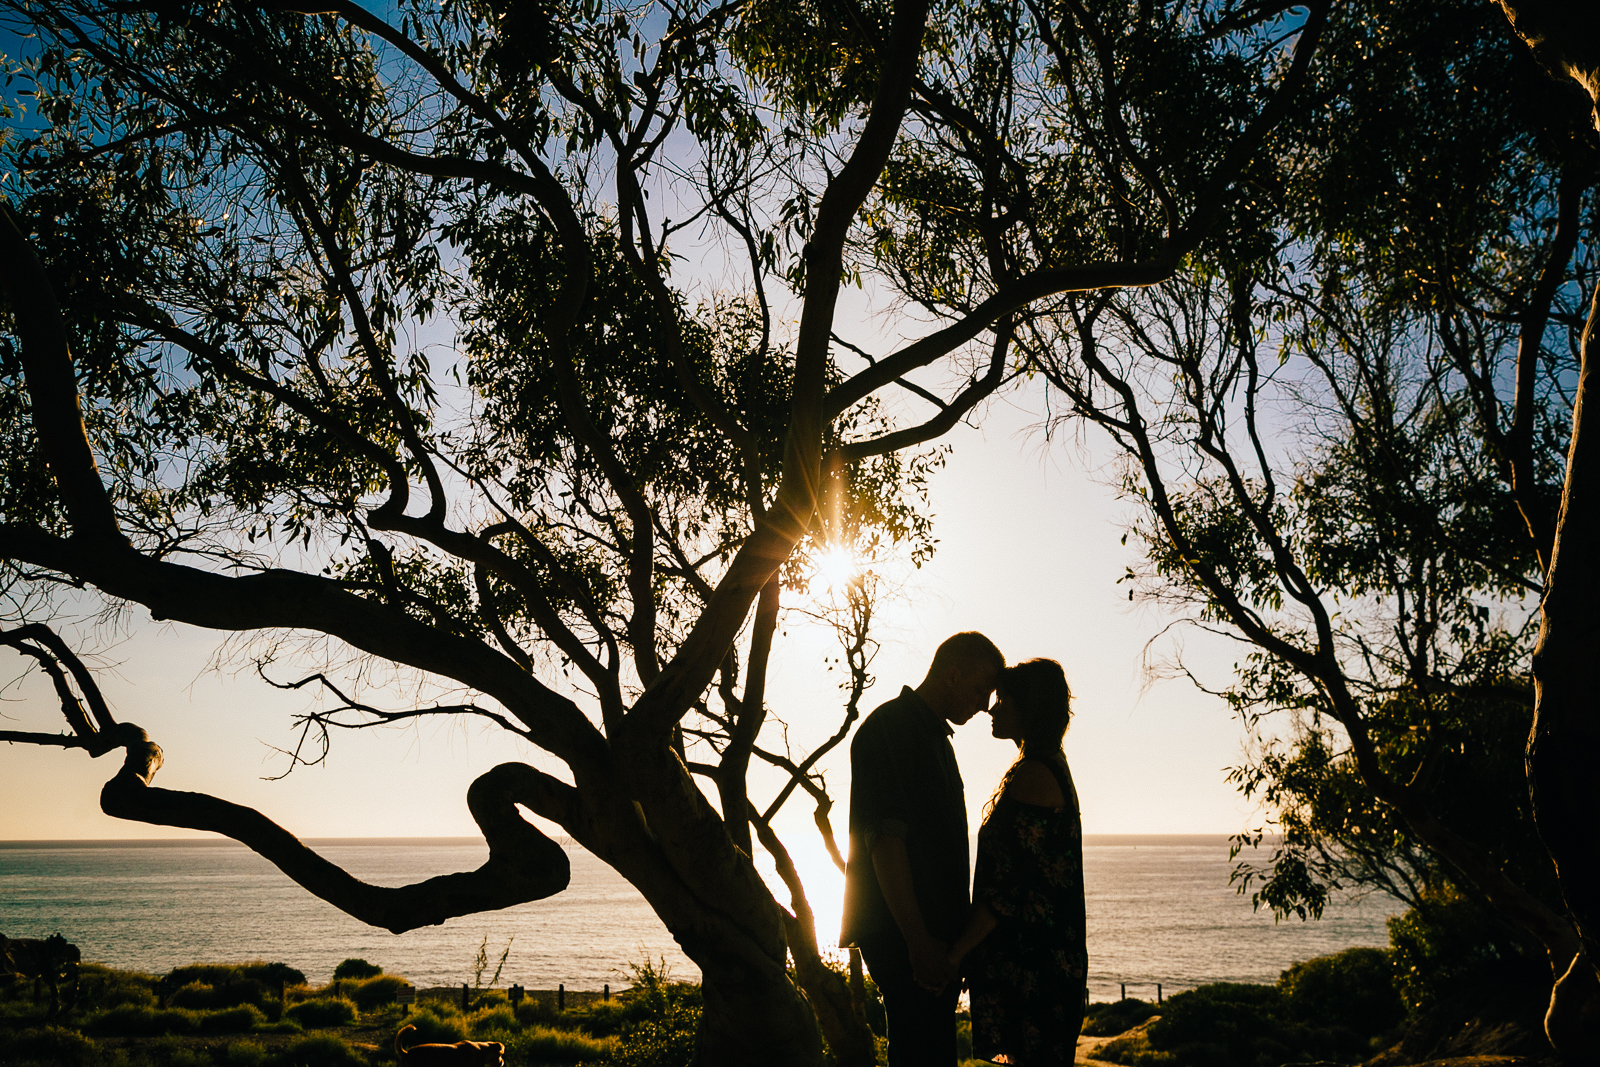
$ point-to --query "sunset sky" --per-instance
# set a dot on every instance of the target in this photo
(1029, 553)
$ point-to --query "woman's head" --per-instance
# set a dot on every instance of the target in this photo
(1034, 707)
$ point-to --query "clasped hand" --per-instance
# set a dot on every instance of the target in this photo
(931, 965)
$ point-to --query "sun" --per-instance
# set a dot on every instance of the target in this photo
(836, 567)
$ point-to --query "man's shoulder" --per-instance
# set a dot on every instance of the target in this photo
(893, 714)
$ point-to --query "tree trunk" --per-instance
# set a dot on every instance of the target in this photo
(650, 822)
(1564, 744)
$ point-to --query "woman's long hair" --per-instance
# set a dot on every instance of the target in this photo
(1039, 692)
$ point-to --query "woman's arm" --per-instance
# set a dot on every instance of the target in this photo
(980, 924)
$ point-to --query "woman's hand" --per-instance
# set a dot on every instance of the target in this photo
(980, 924)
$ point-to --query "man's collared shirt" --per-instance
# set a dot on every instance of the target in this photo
(904, 783)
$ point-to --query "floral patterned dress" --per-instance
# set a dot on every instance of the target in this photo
(1027, 977)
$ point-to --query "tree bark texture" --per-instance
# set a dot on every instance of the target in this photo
(1564, 744)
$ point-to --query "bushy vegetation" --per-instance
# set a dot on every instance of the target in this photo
(319, 1050)
(1353, 989)
(142, 1021)
(1450, 948)
(650, 1025)
(357, 968)
(323, 1011)
(1334, 1008)
(52, 1045)
(1108, 1020)
(549, 1044)
(102, 987)
(370, 994)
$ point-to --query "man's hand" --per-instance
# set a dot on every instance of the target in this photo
(930, 964)
(930, 958)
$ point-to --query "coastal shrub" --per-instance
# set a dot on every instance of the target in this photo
(271, 974)
(1133, 1050)
(282, 1026)
(604, 1017)
(48, 1046)
(536, 1009)
(319, 1050)
(489, 998)
(499, 1019)
(235, 1020)
(1444, 949)
(141, 1021)
(668, 1042)
(548, 1044)
(1230, 1024)
(370, 994)
(241, 992)
(627, 1010)
(245, 1054)
(266, 974)
(1108, 1020)
(443, 1004)
(355, 968)
(323, 1011)
(221, 985)
(187, 1057)
(431, 1026)
(1354, 989)
(101, 987)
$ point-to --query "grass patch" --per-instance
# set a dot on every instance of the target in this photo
(432, 1027)
(320, 1012)
(54, 1045)
(319, 1050)
(141, 1021)
(239, 1020)
(101, 987)
(552, 1045)
(370, 993)
(245, 1054)
(500, 1019)
(1108, 1020)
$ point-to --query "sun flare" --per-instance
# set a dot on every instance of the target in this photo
(836, 567)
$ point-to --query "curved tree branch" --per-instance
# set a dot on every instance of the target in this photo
(523, 864)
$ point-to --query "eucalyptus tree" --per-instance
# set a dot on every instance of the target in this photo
(1346, 440)
(229, 222)
(1565, 734)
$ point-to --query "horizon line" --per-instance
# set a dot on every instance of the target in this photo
(219, 839)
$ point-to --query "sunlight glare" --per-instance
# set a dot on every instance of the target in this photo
(835, 567)
(824, 883)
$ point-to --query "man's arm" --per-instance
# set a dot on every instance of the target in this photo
(930, 964)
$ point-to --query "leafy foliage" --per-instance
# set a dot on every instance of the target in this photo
(1329, 1008)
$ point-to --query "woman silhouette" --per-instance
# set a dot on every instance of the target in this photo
(1023, 948)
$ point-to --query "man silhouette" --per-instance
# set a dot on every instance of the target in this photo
(906, 886)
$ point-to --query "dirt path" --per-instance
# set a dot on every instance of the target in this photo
(1088, 1046)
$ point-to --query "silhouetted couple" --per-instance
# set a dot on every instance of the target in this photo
(1019, 941)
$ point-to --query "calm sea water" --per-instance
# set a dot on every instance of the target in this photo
(1160, 910)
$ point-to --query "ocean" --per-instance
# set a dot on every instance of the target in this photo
(1160, 910)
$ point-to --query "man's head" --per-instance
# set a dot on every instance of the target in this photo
(962, 677)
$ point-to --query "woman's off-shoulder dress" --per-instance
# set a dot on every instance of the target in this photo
(1027, 977)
